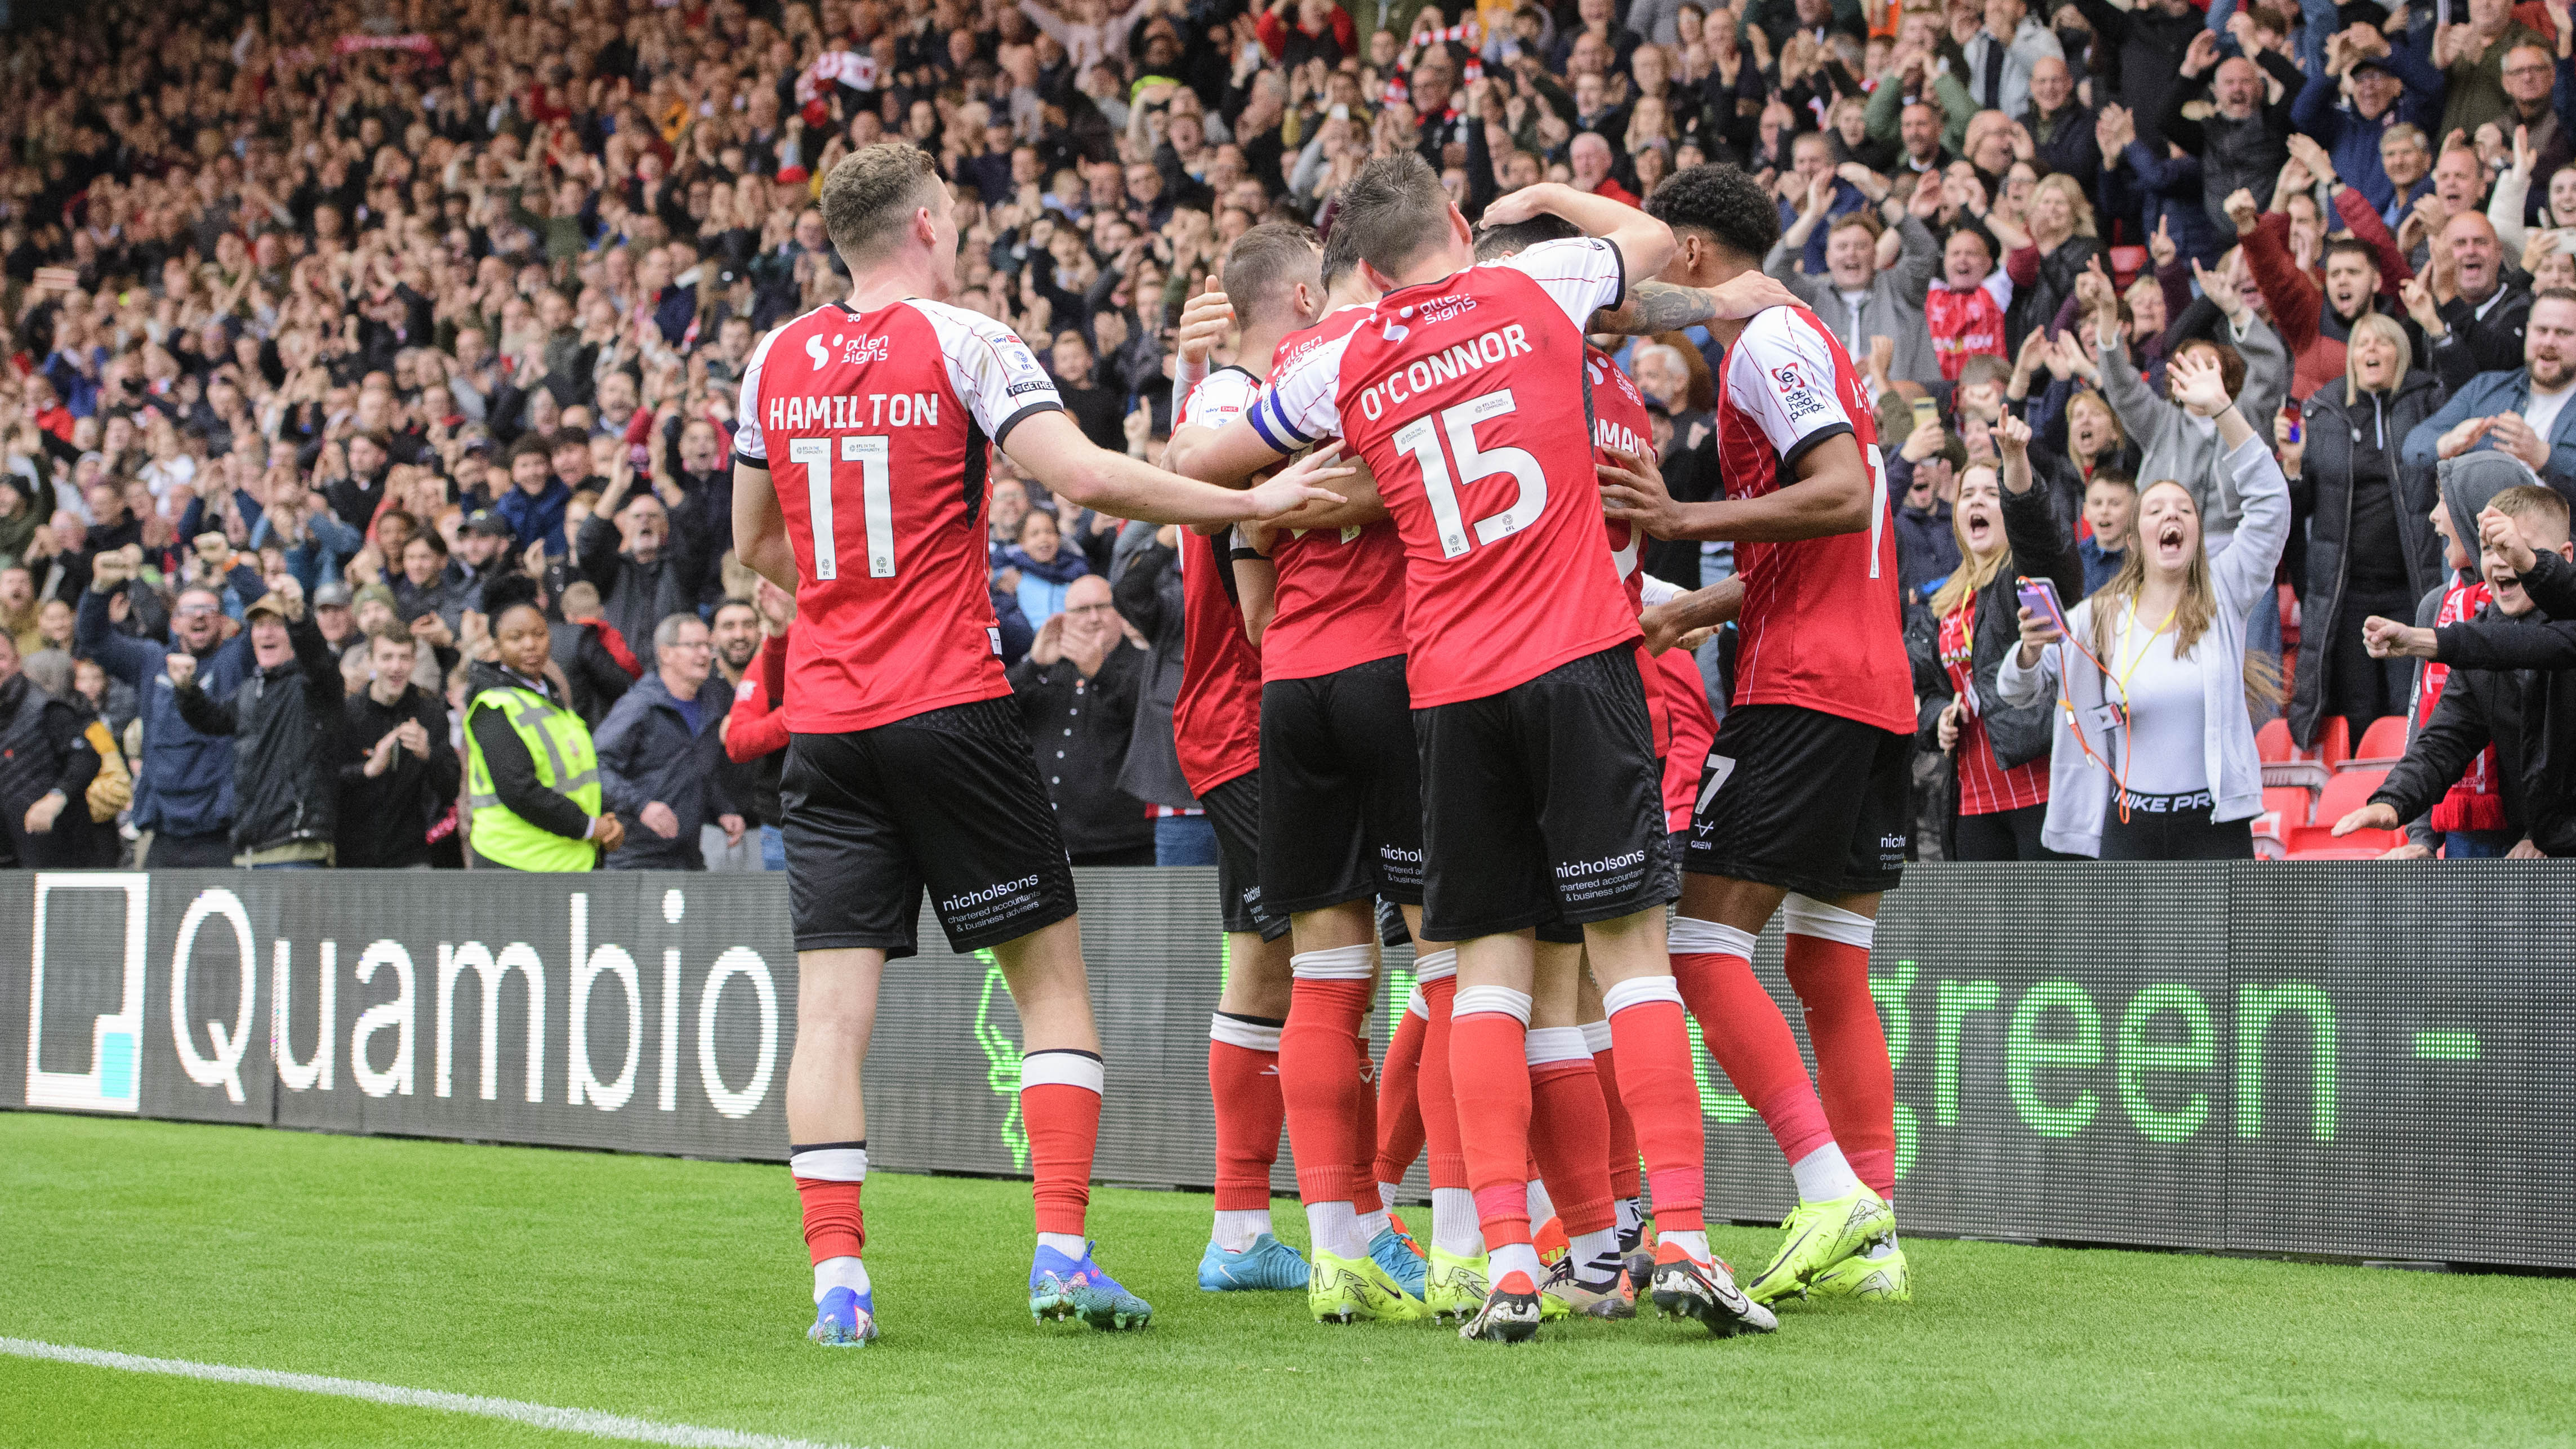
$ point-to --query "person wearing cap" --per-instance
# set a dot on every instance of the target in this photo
(285, 722)
(332, 615)
(485, 550)
(2392, 85)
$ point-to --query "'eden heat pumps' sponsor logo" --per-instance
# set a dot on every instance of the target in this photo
(604, 999)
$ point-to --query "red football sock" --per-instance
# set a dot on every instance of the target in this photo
(1831, 977)
(1490, 1075)
(1624, 1181)
(1243, 1081)
(1435, 1090)
(1750, 1039)
(1060, 1111)
(1399, 1100)
(1661, 1091)
(833, 1226)
(1570, 1131)
(1319, 1074)
(1364, 1194)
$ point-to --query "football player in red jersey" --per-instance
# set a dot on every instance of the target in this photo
(906, 766)
(1462, 392)
(1341, 814)
(1805, 799)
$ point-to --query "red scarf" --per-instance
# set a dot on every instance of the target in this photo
(1962, 325)
(2474, 803)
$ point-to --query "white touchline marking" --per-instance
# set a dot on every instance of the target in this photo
(543, 1416)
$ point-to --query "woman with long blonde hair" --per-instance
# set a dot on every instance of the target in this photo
(2154, 747)
(2005, 528)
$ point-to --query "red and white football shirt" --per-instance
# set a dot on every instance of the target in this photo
(1340, 598)
(877, 429)
(1465, 397)
(1619, 421)
(1821, 626)
(1216, 721)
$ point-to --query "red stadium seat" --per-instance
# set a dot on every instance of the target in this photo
(2318, 842)
(2382, 745)
(2284, 763)
(2126, 263)
(2345, 793)
(2295, 806)
(2284, 810)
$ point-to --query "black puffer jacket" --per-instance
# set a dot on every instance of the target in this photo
(2321, 496)
(2043, 546)
(285, 724)
(2513, 685)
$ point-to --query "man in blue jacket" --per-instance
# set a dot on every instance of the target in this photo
(2523, 412)
(2392, 85)
(661, 757)
(534, 505)
(183, 797)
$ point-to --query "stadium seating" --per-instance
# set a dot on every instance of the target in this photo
(2344, 793)
(2284, 763)
(2382, 745)
(2285, 808)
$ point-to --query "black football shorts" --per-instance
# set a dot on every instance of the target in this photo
(949, 800)
(1808, 801)
(1341, 790)
(1543, 803)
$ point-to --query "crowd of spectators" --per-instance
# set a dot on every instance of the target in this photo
(328, 315)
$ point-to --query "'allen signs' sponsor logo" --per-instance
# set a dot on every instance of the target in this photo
(212, 1046)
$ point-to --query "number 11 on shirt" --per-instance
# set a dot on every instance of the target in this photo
(876, 501)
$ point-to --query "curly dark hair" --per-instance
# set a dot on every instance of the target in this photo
(508, 592)
(1722, 203)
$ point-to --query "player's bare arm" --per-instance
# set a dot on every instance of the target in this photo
(1256, 582)
(1651, 307)
(1832, 495)
(759, 529)
(1053, 451)
(1644, 243)
(1357, 506)
(1682, 622)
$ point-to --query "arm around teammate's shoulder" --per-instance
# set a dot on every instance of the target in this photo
(1054, 451)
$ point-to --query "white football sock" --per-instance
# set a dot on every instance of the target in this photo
(1694, 1242)
(1333, 1227)
(1823, 1175)
(1595, 1254)
(1632, 1217)
(1514, 1258)
(1541, 1206)
(834, 1273)
(1372, 1224)
(1072, 1245)
(1236, 1230)
(1386, 1196)
(1455, 1229)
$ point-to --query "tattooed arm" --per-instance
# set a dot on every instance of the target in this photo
(1652, 307)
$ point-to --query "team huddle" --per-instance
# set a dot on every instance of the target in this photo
(1410, 517)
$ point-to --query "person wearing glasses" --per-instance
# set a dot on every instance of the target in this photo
(661, 753)
(183, 800)
(1078, 691)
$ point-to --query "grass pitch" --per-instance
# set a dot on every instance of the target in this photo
(677, 1292)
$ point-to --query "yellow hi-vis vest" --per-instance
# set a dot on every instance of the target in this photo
(560, 745)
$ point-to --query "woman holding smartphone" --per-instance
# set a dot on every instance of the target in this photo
(2001, 749)
(2154, 754)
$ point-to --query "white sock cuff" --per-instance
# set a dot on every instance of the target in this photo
(829, 1164)
(1341, 963)
(1547, 1044)
(1596, 1036)
(1414, 1005)
(1234, 1031)
(1499, 999)
(1808, 917)
(1691, 936)
(1061, 1069)
(1436, 965)
(1618, 996)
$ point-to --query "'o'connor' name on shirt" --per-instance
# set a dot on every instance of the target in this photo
(796, 414)
(1477, 352)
